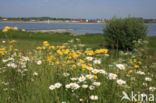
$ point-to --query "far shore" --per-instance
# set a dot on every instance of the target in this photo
(55, 30)
(52, 22)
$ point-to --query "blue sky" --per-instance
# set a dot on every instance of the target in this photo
(78, 8)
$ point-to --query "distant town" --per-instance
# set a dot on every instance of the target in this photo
(59, 20)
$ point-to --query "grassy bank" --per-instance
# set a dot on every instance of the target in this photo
(93, 41)
(29, 40)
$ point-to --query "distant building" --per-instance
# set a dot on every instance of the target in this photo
(32, 20)
(4, 19)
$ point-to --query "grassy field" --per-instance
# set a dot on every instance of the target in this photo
(58, 68)
(30, 40)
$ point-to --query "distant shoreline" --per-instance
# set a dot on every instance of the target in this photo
(55, 30)
(50, 22)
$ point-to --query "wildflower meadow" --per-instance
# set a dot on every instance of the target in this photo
(71, 72)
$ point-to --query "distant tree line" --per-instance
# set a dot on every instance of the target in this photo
(150, 20)
(36, 18)
(62, 19)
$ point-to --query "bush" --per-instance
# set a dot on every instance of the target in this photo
(121, 32)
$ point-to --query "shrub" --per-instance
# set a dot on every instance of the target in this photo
(121, 32)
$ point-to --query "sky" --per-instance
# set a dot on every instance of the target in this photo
(78, 8)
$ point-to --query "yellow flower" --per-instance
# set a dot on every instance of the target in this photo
(50, 53)
(81, 61)
(15, 28)
(136, 66)
(63, 46)
(134, 60)
(130, 71)
(45, 43)
(12, 41)
(70, 61)
(51, 47)
(7, 27)
(90, 64)
(4, 30)
(23, 30)
(59, 52)
(57, 62)
(2, 51)
(75, 55)
(66, 51)
(89, 52)
(69, 57)
(39, 48)
(130, 60)
(139, 62)
(19, 54)
(84, 66)
(95, 77)
(51, 58)
(73, 66)
(101, 51)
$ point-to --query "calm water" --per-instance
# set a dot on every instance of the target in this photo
(76, 28)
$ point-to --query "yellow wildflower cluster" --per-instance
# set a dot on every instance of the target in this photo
(6, 28)
(89, 52)
(101, 51)
(2, 51)
(135, 62)
(98, 51)
(50, 58)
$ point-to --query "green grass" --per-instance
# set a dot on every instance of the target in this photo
(29, 40)
(152, 45)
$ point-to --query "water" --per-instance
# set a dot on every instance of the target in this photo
(76, 28)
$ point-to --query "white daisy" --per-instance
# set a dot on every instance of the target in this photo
(66, 74)
(84, 86)
(152, 89)
(102, 71)
(4, 61)
(51, 87)
(82, 78)
(35, 74)
(90, 68)
(39, 62)
(73, 79)
(97, 62)
(3, 41)
(74, 85)
(89, 76)
(89, 58)
(91, 87)
(67, 86)
(148, 79)
(112, 76)
(121, 82)
(94, 97)
(96, 83)
(95, 71)
(58, 85)
(120, 66)
(140, 73)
